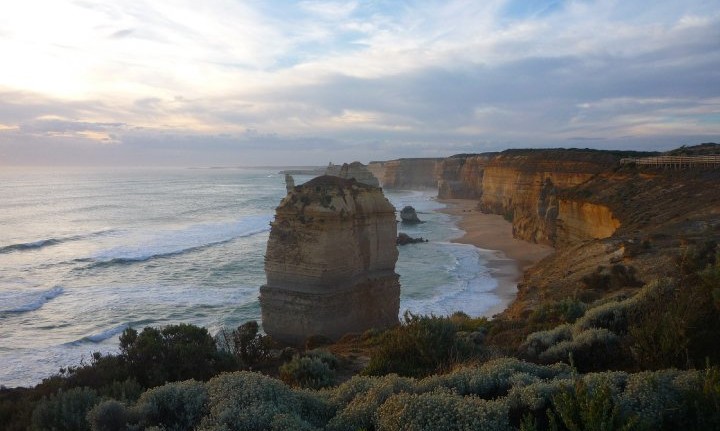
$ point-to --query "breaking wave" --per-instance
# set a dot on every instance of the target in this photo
(175, 242)
(29, 301)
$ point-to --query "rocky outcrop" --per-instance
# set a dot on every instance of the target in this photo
(330, 262)
(289, 182)
(355, 170)
(461, 176)
(408, 215)
(413, 174)
(405, 239)
(525, 187)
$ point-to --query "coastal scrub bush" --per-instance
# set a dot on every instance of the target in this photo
(441, 411)
(315, 369)
(423, 345)
(246, 401)
(592, 350)
(175, 406)
(64, 411)
(590, 409)
(109, 415)
(246, 343)
(368, 395)
(173, 353)
(567, 310)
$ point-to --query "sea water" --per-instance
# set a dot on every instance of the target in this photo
(86, 253)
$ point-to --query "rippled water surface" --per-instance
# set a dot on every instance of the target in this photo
(86, 253)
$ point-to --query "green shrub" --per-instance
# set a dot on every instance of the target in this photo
(246, 343)
(110, 415)
(174, 353)
(368, 395)
(582, 408)
(441, 411)
(423, 345)
(65, 411)
(175, 406)
(315, 369)
(245, 401)
(566, 311)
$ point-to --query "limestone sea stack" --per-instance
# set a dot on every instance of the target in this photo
(330, 262)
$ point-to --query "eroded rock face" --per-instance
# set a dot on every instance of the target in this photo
(408, 215)
(413, 173)
(355, 170)
(330, 262)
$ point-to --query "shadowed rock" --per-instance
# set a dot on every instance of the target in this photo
(409, 216)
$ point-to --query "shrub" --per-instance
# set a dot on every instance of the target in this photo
(591, 350)
(176, 352)
(590, 409)
(441, 410)
(65, 410)
(358, 413)
(422, 345)
(246, 343)
(110, 415)
(245, 401)
(566, 311)
(175, 406)
(315, 369)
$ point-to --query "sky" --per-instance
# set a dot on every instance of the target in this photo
(277, 82)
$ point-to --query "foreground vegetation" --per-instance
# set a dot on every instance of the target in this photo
(643, 358)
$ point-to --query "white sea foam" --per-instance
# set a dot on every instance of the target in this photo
(470, 289)
(173, 242)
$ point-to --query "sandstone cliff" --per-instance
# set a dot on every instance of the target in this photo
(416, 173)
(354, 170)
(330, 262)
(524, 186)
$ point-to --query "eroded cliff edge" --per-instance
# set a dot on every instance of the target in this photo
(330, 262)
(614, 226)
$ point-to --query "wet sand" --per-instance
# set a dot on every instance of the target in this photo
(492, 232)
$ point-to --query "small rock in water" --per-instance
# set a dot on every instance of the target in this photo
(404, 239)
(408, 215)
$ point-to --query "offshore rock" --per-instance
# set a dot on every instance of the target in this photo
(405, 239)
(409, 216)
(289, 182)
(330, 262)
(355, 170)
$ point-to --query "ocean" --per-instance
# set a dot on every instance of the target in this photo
(86, 253)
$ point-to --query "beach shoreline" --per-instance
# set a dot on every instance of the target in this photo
(510, 257)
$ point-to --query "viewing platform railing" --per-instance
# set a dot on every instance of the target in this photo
(675, 161)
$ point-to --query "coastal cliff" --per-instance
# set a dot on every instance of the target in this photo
(330, 262)
(415, 173)
(355, 170)
(525, 187)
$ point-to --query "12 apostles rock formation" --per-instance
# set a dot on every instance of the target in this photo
(330, 262)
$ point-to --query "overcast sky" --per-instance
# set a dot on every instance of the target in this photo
(276, 82)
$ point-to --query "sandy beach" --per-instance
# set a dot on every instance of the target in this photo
(492, 232)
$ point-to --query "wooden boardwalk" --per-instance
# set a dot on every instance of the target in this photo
(676, 162)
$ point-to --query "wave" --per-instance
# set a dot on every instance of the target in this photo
(47, 242)
(104, 335)
(470, 288)
(176, 242)
(30, 301)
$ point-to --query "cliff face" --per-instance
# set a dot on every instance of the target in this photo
(355, 170)
(461, 177)
(330, 262)
(407, 173)
(524, 186)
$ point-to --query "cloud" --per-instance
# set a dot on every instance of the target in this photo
(167, 82)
